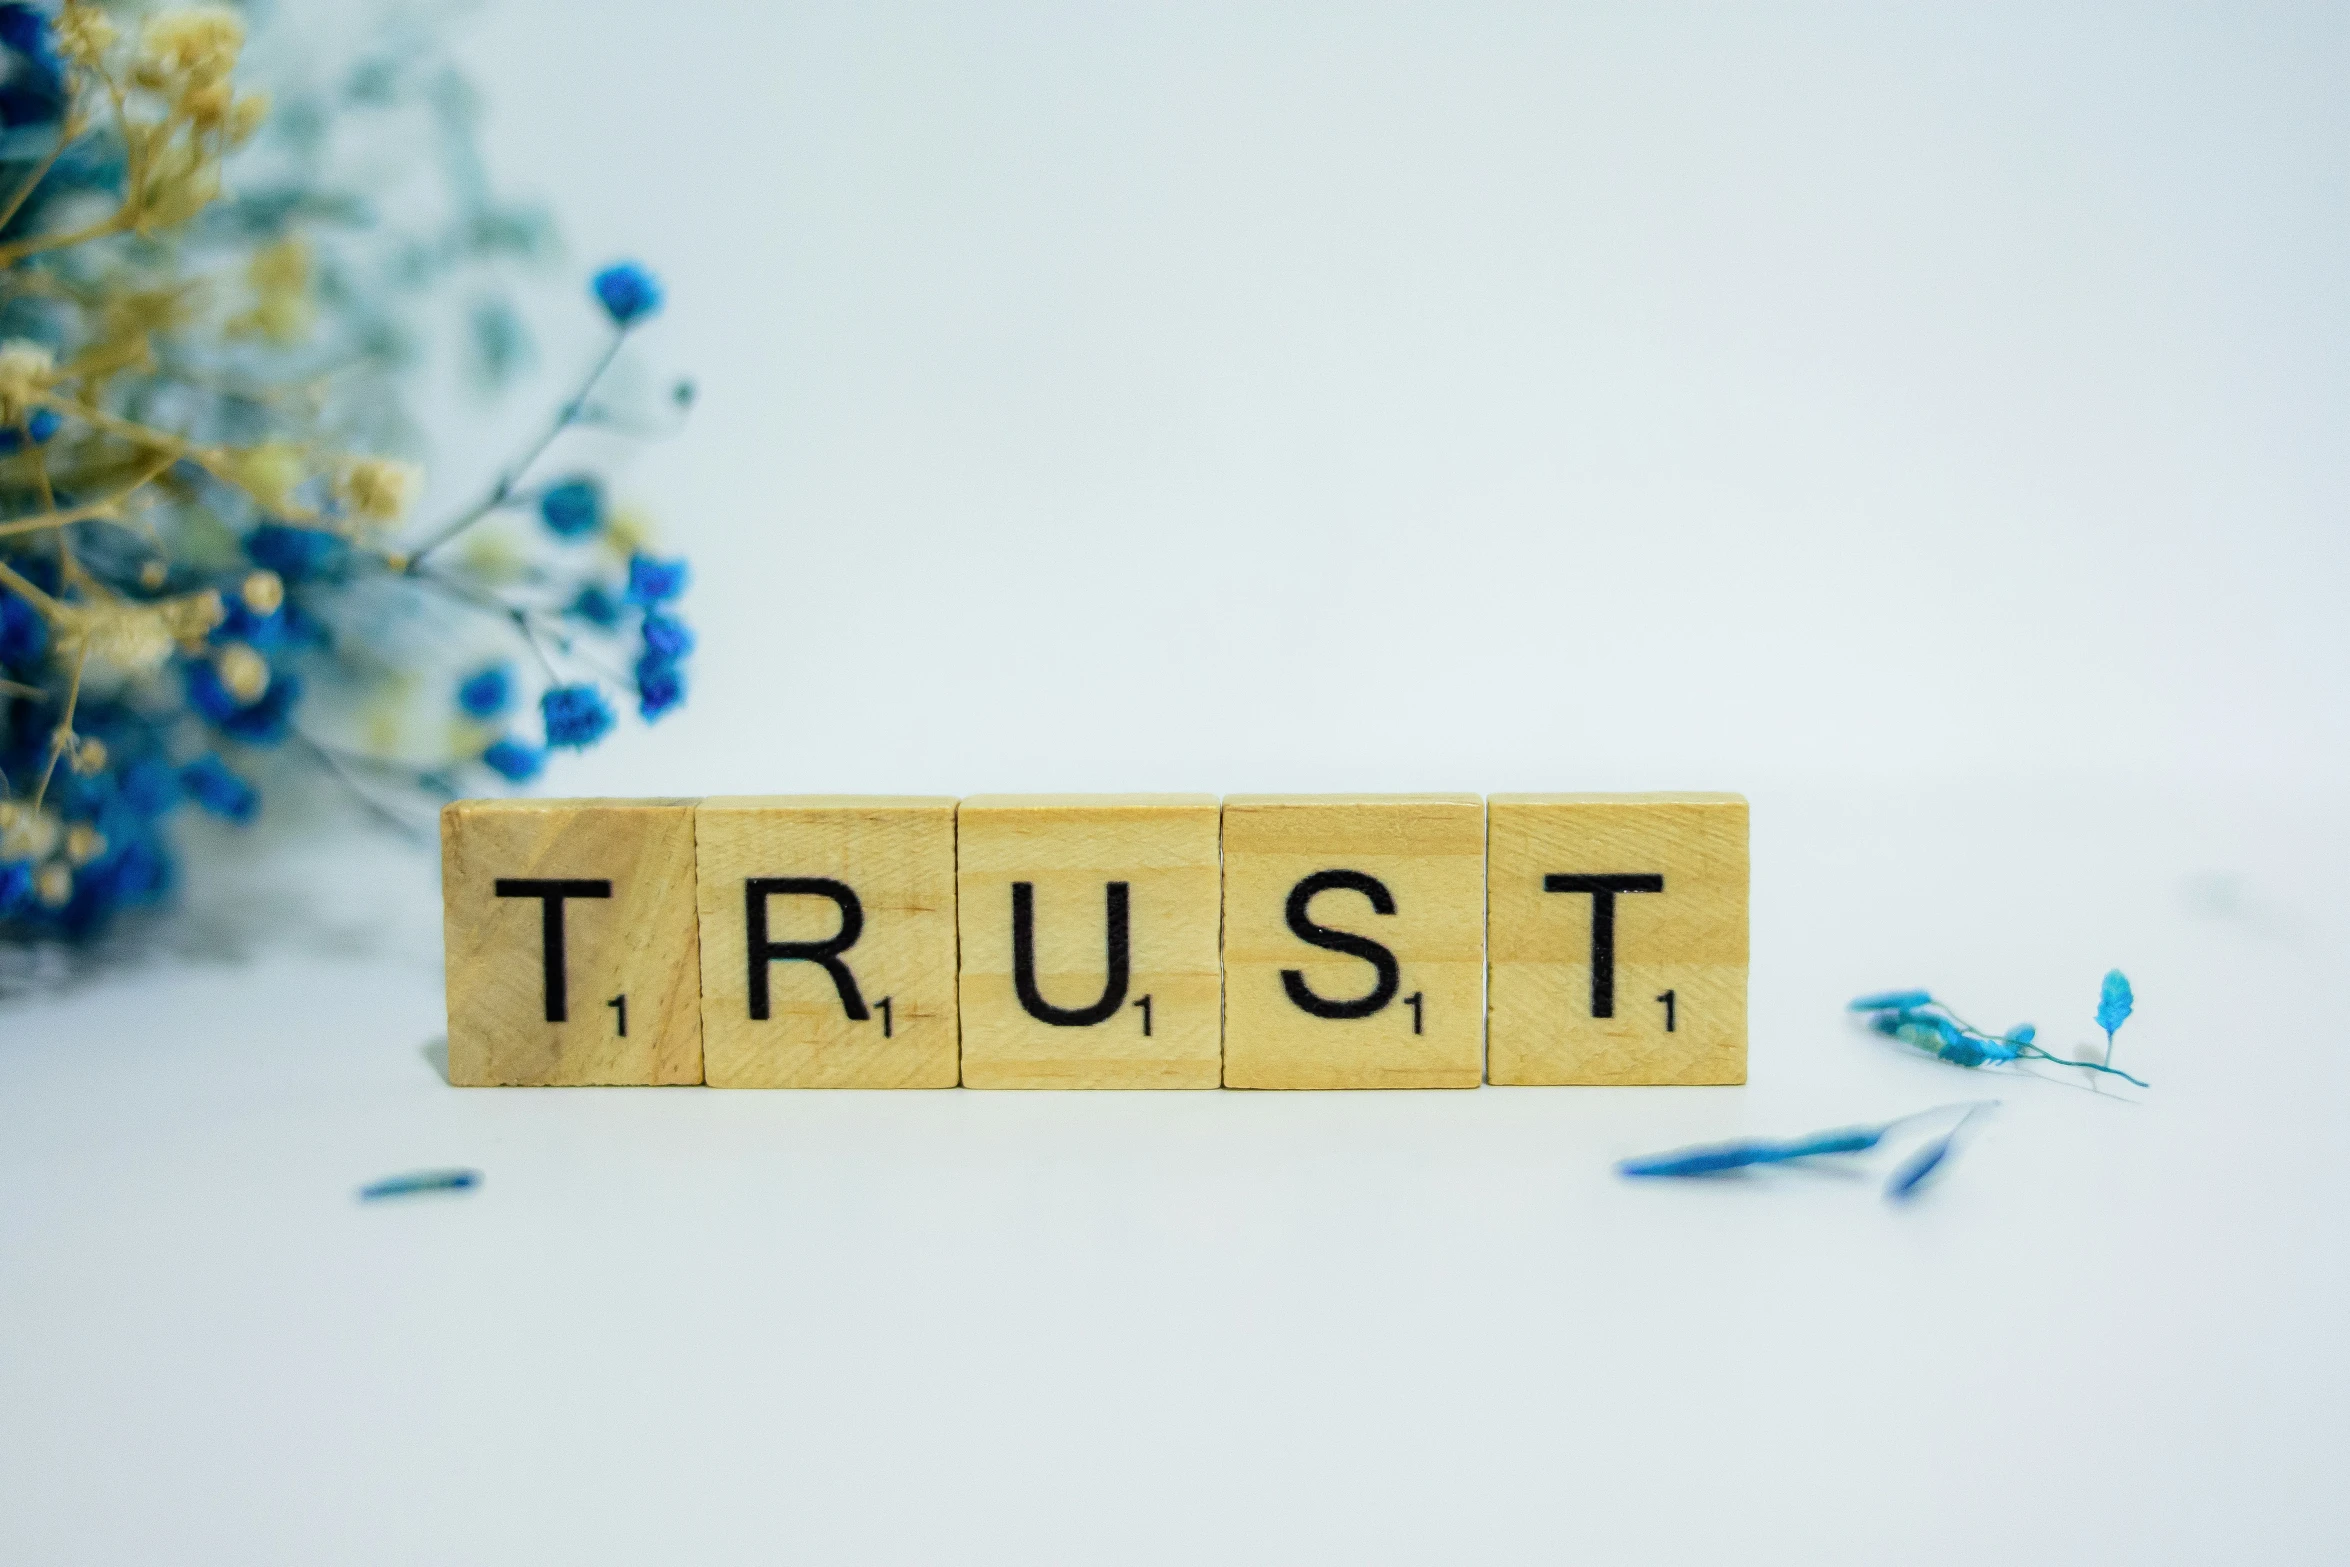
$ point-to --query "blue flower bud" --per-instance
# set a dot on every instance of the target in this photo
(596, 605)
(667, 637)
(576, 716)
(627, 292)
(653, 581)
(513, 761)
(42, 425)
(573, 508)
(660, 686)
(486, 693)
(296, 554)
(211, 785)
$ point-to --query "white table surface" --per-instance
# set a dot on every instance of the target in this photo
(698, 1326)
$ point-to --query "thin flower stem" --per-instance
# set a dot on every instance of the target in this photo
(64, 733)
(30, 593)
(67, 134)
(503, 490)
(103, 509)
(341, 774)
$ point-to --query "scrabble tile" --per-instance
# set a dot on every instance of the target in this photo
(828, 941)
(571, 942)
(1089, 941)
(1354, 941)
(1617, 928)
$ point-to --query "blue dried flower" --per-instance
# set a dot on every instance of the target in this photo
(296, 554)
(628, 293)
(513, 761)
(264, 721)
(35, 93)
(660, 686)
(147, 787)
(596, 605)
(488, 692)
(653, 581)
(576, 716)
(24, 635)
(1891, 1001)
(2114, 1005)
(667, 637)
(573, 508)
(211, 785)
(43, 424)
(16, 886)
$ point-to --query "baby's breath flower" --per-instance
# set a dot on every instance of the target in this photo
(263, 592)
(26, 833)
(154, 574)
(269, 473)
(26, 370)
(197, 44)
(191, 617)
(83, 843)
(129, 639)
(84, 34)
(243, 672)
(89, 757)
(282, 308)
(378, 490)
(53, 884)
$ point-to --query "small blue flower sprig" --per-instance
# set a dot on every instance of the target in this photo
(1916, 1018)
(566, 619)
(1713, 1159)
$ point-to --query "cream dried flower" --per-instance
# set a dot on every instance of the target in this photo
(263, 592)
(128, 639)
(244, 674)
(378, 490)
(198, 44)
(26, 371)
(84, 34)
(27, 833)
(270, 473)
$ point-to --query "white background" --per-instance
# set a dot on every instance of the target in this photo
(1931, 424)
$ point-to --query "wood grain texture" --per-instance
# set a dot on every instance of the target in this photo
(1428, 853)
(638, 941)
(1069, 849)
(896, 858)
(1690, 938)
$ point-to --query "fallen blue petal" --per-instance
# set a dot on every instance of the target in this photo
(1892, 1001)
(1907, 1179)
(1702, 1161)
(420, 1181)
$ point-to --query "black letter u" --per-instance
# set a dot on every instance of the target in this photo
(1024, 962)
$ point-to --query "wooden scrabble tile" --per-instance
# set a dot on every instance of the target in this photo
(1089, 941)
(571, 942)
(1617, 929)
(1354, 941)
(828, 941)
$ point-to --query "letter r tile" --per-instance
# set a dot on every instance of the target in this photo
(828, 941)
(1089, 941)
(571, 942)
(1617, 931)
